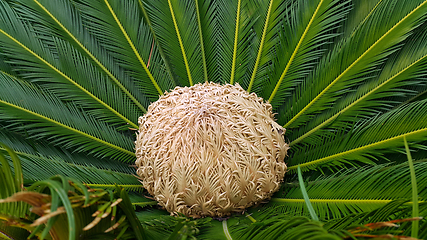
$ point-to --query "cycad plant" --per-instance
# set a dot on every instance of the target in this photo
(346, 79)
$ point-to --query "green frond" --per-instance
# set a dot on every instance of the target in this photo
(80, 68)
(406, 69)
(402, 215)
(69, 26)
(137, 187)
(24, 46)
(156, 42)
(26, 147)
(130, 42)
(174, 23)
(141, 201)
(358, 56)
(346, 78)
(45, 116)
(367, 140)
(359, 14)
(181, 45)
(218, 34)
(381, 184)
(249, 39)
(301, 41)
(120, 29)
(37, 168)
(283, 227)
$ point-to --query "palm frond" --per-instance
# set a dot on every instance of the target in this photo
(131, 44)
(261, 44)
(37, 168)
(360, 12)
(121, 31)
(175, 20)
(141, 201)
(358, 57)
(379, 94)
(279, 227)
(67, 20)
(218, 33)
(25, 147)
(307, 27)
(162, 54)
(45, 116)
(381, 184)
(249, 36)
(36, 59)
(368, 139)
(178, 34)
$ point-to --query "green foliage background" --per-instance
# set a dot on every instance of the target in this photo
(347, 80)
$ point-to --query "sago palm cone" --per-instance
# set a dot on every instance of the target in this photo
(210, 150)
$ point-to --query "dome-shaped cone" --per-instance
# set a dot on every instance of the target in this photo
(210, 150)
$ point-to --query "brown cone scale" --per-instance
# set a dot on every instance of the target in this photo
(210, 150)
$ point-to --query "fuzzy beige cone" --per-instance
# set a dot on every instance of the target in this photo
(210, 150)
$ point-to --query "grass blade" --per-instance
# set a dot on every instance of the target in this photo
(415, 213)
(306, 199)
(226, 232)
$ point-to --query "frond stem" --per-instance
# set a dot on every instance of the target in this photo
(202, 47)
(250, 218)
(236, 36)
(415, 211)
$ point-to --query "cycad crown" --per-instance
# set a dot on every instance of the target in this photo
(210, 150)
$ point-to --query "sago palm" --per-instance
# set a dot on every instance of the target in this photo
(346, 79)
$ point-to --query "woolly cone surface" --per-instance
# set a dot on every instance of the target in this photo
(210, 150)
